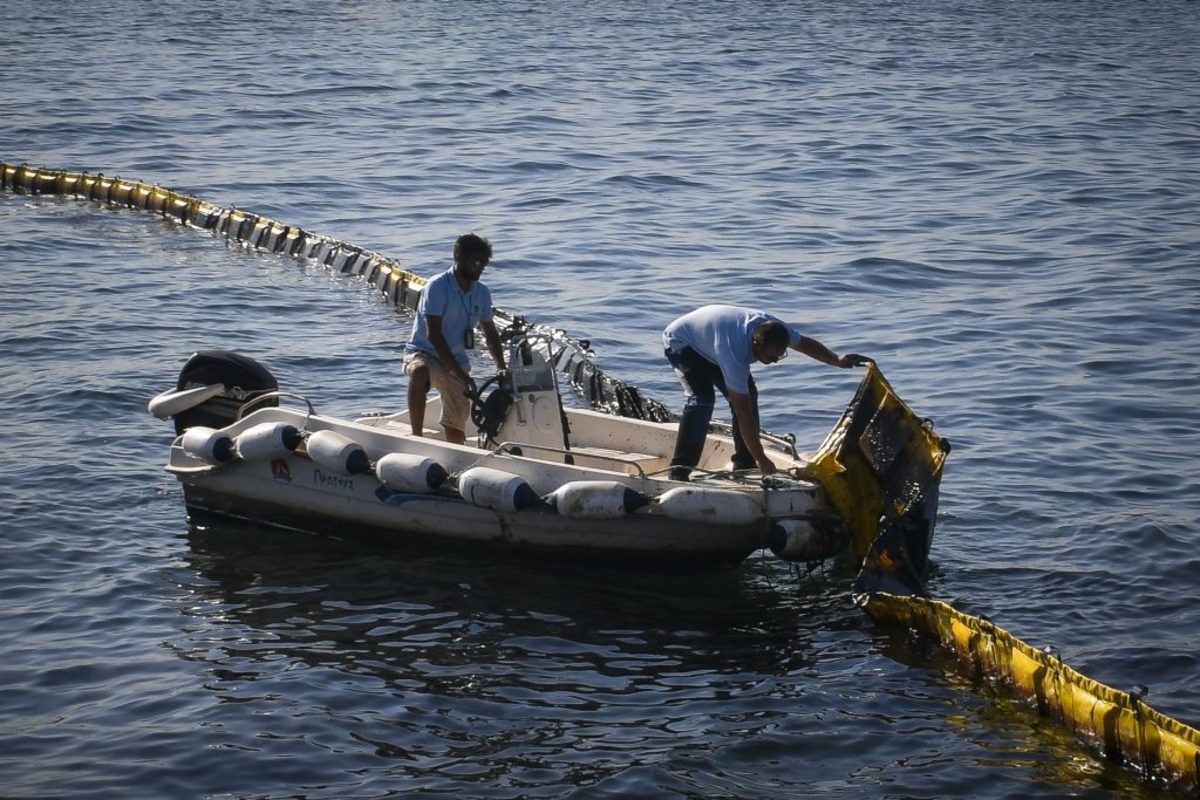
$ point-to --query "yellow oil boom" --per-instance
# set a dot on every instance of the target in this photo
(398, 287)
(849, 464)
(1118, 723)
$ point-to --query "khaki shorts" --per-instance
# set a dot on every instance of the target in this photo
(456, 407)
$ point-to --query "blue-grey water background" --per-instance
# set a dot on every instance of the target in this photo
(996, 201)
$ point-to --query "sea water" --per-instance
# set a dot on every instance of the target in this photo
(995, 201)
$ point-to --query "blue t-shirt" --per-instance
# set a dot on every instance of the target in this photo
(723, 335)
(460, 312)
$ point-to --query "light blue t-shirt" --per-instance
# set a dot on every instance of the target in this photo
(460, 312)
(723, 335)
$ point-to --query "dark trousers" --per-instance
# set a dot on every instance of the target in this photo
(701, 379)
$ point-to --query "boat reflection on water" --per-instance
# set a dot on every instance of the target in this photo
(440, 665)
(439, 617)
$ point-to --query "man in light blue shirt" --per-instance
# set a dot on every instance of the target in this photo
(452, 305)
(712, 348)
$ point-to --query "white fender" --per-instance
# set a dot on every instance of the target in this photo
(806, 539)
(335, 452)
(596, 499)
(267, 440)
(207, 444)
(712, 506)
(406, 472)
(165, 405)
(497, 490)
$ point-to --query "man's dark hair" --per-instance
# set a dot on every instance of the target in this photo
(773, 334)
(471, 246)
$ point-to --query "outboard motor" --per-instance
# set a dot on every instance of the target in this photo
(243, 378)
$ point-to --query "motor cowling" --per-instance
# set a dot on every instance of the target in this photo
(244, 380)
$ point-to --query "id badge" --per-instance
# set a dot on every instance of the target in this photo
(469, 339)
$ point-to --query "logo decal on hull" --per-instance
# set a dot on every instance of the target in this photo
(280, 470)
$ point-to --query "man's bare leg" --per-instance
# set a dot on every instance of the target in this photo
(418, 388)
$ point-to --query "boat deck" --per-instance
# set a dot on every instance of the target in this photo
(631, 463)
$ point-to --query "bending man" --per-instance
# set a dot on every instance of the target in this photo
(452, 304)
(712, 348)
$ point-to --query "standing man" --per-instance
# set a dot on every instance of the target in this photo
(712, 348)
(452, 304)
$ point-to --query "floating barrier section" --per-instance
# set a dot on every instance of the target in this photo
(1119, 723)
(879, 463)
(571, 357)
(853, 463)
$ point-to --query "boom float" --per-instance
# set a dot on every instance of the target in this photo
(572, 357)
(889, 587)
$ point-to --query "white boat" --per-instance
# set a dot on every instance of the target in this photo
(540, 478)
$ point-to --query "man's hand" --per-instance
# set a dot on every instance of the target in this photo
(853, 360)
(766, 466)
(469, 388)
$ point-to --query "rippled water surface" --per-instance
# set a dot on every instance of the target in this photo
(997, 202)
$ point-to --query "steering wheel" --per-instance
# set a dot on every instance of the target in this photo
(488, 413)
